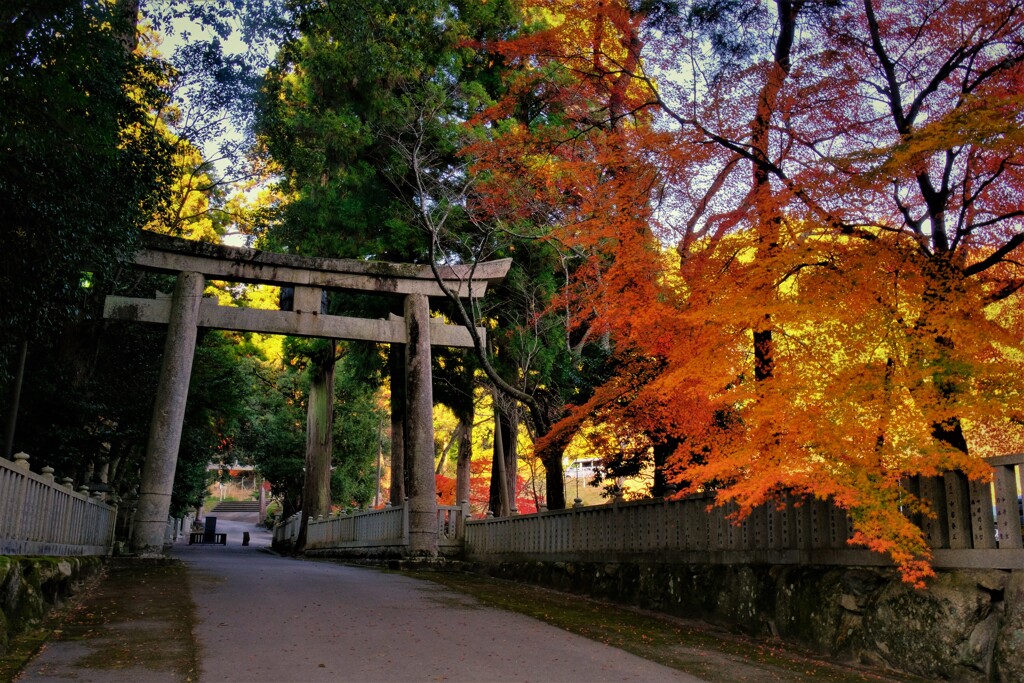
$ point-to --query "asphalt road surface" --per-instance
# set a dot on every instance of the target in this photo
(268, 618)
(242, 613)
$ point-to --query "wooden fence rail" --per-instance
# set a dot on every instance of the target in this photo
(976, 525)
(371, 528)
(38, 516)
(287, 531)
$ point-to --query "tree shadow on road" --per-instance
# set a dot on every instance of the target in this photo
(693, 647)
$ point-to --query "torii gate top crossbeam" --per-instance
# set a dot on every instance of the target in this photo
(239, 264)
(309, 276)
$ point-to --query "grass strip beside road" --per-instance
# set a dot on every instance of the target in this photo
(693, 647)
(132, 623)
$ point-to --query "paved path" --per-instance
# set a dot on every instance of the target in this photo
(267, 618)
(261, 617)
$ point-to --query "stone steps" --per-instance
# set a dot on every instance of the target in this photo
(237, 506)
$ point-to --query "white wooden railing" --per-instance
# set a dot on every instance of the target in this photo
(371, 529)
(38, 516)
(360, 529)
(976, 525)
(451, 525)
(288, 530)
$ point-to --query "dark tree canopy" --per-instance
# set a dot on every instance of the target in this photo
(81, 163)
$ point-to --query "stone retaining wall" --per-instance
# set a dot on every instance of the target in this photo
(968, 625)
(31, 586)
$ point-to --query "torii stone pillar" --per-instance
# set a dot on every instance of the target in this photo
(168, 413)
(420, 415)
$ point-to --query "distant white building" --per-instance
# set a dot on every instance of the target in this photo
(583, 468)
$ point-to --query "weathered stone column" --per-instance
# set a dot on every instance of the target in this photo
(420, 447)
(168, 412)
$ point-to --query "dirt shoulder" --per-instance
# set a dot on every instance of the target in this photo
(693, 647)
(134, 624)
(138, 623)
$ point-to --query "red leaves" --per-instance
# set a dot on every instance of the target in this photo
(859, 201)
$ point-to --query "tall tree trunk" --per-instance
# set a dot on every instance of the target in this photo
(554, 474)
(663, 450)
(500, 503)
(510, 444)
(545, 412)
(554, 480)
(465, 456)
(13, 399)
(396, 370)
(126, 14)
(945, 283)
(439, 468)
(465, 411)
(768, 218)
(316, 489)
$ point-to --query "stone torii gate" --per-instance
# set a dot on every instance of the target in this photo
(187, 310)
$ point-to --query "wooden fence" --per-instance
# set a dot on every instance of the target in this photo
(371, 528)
(976, 526)
(38, 516)
(387, 527)
(288, 530)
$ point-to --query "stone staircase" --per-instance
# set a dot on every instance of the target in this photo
(236, 506)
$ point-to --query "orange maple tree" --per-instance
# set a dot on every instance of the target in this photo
(843, 188)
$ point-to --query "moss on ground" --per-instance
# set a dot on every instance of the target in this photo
(695, 648)
(33, 590)
(22, 646)
(137, 619)
(20, 649)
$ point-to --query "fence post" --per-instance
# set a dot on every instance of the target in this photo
(112, 527)
(21, 462)
(820, 536)
(934, 527)
(460, 530)
(47, 524)
(957, 510)
(982, 520)
(577, 538)
(405, 523)
(1007, 512)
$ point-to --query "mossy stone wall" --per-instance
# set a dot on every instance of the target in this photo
(31, 586)
(967, 625)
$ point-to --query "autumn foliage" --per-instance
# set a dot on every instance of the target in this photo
(803, 239)
(479, 490)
